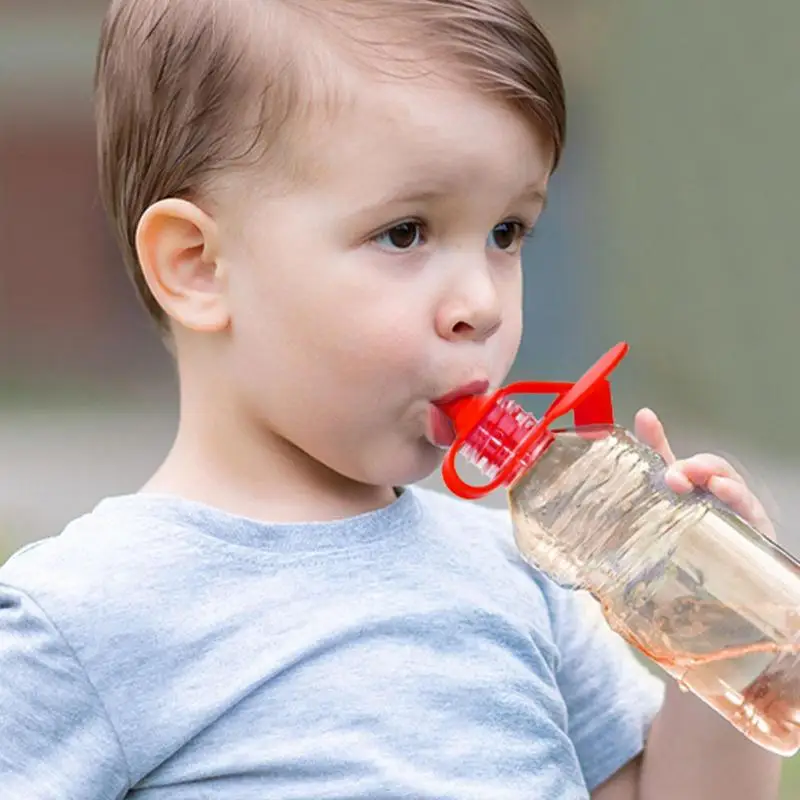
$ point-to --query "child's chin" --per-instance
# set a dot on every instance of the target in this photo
(424, 461)
(408, 466)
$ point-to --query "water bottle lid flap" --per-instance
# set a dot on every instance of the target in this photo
(589, 400)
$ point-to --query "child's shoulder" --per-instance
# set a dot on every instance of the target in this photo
(474, 524)
(94, 566)
(490, 532)
(469, 515)
(486, 532)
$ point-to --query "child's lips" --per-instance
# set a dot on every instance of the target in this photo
(440, 431)
(467, 390)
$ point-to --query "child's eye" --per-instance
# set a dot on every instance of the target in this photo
(403, 236)
(507, 236)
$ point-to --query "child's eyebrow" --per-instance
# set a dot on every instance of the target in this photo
(535, 193)
(416, 192)
(430, 190)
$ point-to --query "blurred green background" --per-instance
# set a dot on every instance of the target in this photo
(671, 226)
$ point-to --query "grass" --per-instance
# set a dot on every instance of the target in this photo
(790, 787)
(83, 397)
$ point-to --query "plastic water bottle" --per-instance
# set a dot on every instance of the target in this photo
(682, 578)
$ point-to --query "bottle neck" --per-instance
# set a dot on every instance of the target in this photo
(497, 440)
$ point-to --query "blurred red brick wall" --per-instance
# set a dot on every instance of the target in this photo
(54, 230)
(66, 302)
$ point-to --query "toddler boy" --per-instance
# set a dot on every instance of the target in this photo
(322, 203)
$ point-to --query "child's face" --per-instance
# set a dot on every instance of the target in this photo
(390, 280)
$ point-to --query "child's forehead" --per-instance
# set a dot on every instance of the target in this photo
(377, 105)
(432, 130)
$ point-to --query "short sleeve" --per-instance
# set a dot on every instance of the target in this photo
(56, 742)
(611, 697)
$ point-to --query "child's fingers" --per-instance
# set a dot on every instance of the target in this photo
(649, 430)
(705, 471)
(734, 494)
(701, 468)
(678, 481)
(743, 502)
(717, 476)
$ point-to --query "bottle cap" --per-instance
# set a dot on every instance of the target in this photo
(503, 440)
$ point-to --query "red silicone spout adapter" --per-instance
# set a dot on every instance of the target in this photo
(503, 440)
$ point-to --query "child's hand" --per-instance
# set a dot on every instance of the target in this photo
(705, 471)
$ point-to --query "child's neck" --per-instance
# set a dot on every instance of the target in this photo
(258, 475)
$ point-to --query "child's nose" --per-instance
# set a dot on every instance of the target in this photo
(473, 312)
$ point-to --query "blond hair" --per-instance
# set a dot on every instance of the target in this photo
(187, 88)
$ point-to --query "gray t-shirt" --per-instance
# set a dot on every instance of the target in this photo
(163, 650)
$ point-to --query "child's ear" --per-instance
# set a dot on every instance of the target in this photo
(178, 248)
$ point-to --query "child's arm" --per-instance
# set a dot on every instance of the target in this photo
(692, 753)
(55, 737)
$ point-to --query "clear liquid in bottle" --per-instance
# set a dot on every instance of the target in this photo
(686, 582)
